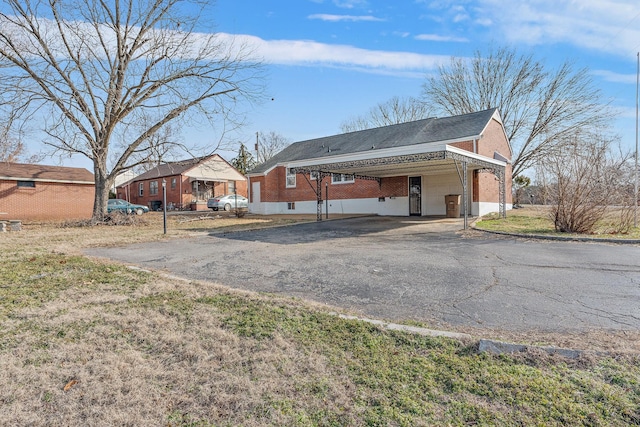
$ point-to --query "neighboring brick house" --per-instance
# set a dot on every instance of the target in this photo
(403, 169)
(189, 183)
(38, 192)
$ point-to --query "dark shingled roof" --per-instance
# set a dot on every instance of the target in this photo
(400, 135)
(29, 172)
(170, 168)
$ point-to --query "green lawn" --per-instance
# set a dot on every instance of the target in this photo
(86, 342)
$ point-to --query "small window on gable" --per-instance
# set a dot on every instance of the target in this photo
(141, 189)
(26, 184)
(313, 175)
(291, 178)
(341, 178)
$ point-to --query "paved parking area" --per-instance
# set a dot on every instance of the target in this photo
(404, 268)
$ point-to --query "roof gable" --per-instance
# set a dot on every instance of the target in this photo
(34, 172)
(431, 130)
(212, 167)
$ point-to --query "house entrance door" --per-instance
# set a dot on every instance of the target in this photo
(415, 195)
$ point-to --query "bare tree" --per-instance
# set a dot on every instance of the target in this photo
(10, 148)
(270, 144)
(394, 111)
(539, 106)
(92, 72)
(587, 181)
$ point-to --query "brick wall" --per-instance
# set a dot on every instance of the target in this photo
(180, 193)
(47, 201)
(485, 185)
(494, 140)
(274, 188)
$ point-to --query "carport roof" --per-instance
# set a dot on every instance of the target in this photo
(427, 131)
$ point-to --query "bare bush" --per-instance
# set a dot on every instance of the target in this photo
(587, 179)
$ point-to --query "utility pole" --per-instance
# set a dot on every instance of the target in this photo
(635, 201)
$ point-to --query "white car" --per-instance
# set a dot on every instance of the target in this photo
(228, 202)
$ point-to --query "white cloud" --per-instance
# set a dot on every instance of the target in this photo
(307, 52)
(610, 76)
(611, 26)
(437, 38)
(460, 17)
(337, 18)
(485, 22)
(350, 4)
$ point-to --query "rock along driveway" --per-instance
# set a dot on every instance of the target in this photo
(403, 268)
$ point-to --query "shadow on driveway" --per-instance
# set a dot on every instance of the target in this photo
(345, 228)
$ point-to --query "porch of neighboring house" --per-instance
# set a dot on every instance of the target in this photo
(188, 184)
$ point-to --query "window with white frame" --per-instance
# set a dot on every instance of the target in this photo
(291, 178)
(141, 189)
(313, 175)
(341, 178)
(153, 188)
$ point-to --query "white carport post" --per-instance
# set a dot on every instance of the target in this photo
(465, 195)
(465, 192)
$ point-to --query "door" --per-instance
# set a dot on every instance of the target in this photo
(255, 192)
(415, 195)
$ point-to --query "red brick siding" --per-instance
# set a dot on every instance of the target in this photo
(273, 188)
(494, 140)
(174, 195)
(465, 145)
(485, 185)
(48, 201)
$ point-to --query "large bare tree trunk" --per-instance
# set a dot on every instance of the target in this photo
(110, 77)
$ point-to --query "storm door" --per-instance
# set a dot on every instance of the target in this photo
(415, 195)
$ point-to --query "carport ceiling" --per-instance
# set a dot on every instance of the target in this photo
(429, 163)
(430, 167)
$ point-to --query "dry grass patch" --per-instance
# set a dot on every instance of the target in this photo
(85, 342)
(537, 220)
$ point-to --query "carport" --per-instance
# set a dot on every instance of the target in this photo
(434, 159)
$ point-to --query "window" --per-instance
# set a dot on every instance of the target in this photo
(291, 178)
(313, 175)
(141, 189)
(153, 188)
(173, 183)
(291, 206)
(26, 184)
(232, 187)
(341, 178)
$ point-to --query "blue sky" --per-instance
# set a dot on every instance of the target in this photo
(329, 60)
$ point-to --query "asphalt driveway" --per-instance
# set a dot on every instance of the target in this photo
(403, 268)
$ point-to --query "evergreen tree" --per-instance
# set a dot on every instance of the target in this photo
(244, 162)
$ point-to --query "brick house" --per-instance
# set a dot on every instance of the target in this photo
(403, 169)
(42, 193)
(189, 183)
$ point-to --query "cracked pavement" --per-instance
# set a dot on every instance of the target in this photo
(401, 269)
